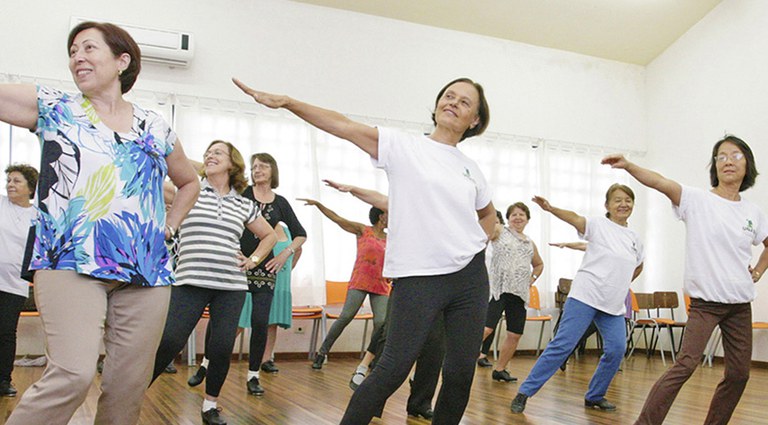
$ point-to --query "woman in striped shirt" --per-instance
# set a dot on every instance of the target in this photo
(211, 268)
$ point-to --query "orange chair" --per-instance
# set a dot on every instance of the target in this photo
(534, 302)
(315, 314)
(335, 295)
(641, 301)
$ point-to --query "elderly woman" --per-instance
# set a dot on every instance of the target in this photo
(515, 266)
(19, 214)
(211, 269)
(721, 227)
(614, 258)
(433, 186)
(101, 268)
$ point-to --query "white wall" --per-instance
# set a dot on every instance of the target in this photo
(354, 63)
(711, 81)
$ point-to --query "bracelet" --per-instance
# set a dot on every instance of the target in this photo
(293, 251)
(535, 276)
(170, 229)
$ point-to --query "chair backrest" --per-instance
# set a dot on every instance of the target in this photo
(534, 301)
(563, 288)
(666, 299)
(635, 305)
(644, 302)
(335, 292)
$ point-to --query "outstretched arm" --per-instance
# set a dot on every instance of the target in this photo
(349, 226)
(650, 178)
(363, 136)
(369, 196)
(570, 217)
(18, 105)
(577, 246)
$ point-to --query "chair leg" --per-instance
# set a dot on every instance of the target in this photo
(541, 334)
(191, 350)
(242, 339)
(672, 343)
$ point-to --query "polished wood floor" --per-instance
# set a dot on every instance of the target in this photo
(300, 395)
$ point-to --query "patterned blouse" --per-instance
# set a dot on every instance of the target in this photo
(511, 265)
(100, 193)
(366, 274)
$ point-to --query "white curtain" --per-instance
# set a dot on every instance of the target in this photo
(516, 167)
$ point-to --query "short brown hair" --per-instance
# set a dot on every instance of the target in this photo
(521, 206)
(269, 159)
(119, 42)
(483, 111)
(237, 174)
(30, 175)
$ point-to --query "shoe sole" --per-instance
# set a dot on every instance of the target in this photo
(506, 381)
(256, 394)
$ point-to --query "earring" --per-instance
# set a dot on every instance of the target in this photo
(119, 72)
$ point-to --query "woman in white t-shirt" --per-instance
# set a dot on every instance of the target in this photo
(613, 259)
(18, 214)
(721, 229)
(432, 187)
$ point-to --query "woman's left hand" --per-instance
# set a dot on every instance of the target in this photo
(755, 274)
(269, 100)
(277, 262)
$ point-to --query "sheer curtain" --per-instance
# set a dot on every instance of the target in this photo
(516, 167)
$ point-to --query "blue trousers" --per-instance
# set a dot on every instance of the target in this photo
(576, 318)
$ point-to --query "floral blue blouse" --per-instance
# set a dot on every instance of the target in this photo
(100, 193)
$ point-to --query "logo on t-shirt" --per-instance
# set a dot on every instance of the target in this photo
(749, 227)
(468, 175)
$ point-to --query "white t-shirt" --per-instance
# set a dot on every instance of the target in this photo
(718, 245)
(612, 255)
(434, 194)
(14, 228)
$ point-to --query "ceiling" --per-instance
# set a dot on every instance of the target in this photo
(632, 31)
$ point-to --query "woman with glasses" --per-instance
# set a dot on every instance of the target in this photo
(721, 228)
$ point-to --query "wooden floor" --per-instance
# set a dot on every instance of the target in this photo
(300, 395)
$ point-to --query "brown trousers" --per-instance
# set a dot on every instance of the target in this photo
(735, 321)
(77, 312)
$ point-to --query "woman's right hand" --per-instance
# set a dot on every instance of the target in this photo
(269, 100)
(346, 188)
(308, 201)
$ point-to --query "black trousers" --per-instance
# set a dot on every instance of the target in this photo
(417, 302)
(10, 308)
(187, 305)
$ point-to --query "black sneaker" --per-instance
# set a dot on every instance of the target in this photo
(503, 376)
(484, 362)
(213, 417)
(198, 377)
(518, 403)
(269, 367)
(100, 366)
(319, 361)
(254, 387)
(170, 368)
(356, 380)
(7, 389)
(601, 404)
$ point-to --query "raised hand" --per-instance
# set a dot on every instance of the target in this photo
(267, 99)
(616, 160)
(542, 202)
(308, 201)
(338, 186)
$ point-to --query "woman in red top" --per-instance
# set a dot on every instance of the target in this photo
(366, 277)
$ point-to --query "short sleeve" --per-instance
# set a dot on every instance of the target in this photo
(762, 228)
(49, 113)
(687, 196)
(385, 145)
(161, 128)
(253, 212)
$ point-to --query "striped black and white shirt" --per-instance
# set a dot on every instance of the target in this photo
(210, 239)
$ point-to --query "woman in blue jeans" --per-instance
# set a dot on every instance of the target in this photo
(613, 259)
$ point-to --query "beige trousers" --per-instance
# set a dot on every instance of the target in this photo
(77, 311)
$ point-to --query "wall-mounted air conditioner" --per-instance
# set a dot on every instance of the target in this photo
(166, 47)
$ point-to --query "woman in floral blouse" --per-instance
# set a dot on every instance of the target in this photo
(101, 268)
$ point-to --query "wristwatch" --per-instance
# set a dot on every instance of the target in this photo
(255, 259)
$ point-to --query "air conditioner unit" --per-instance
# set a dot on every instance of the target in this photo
(165, 47)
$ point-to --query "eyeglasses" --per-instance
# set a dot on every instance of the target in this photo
(736, 156)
